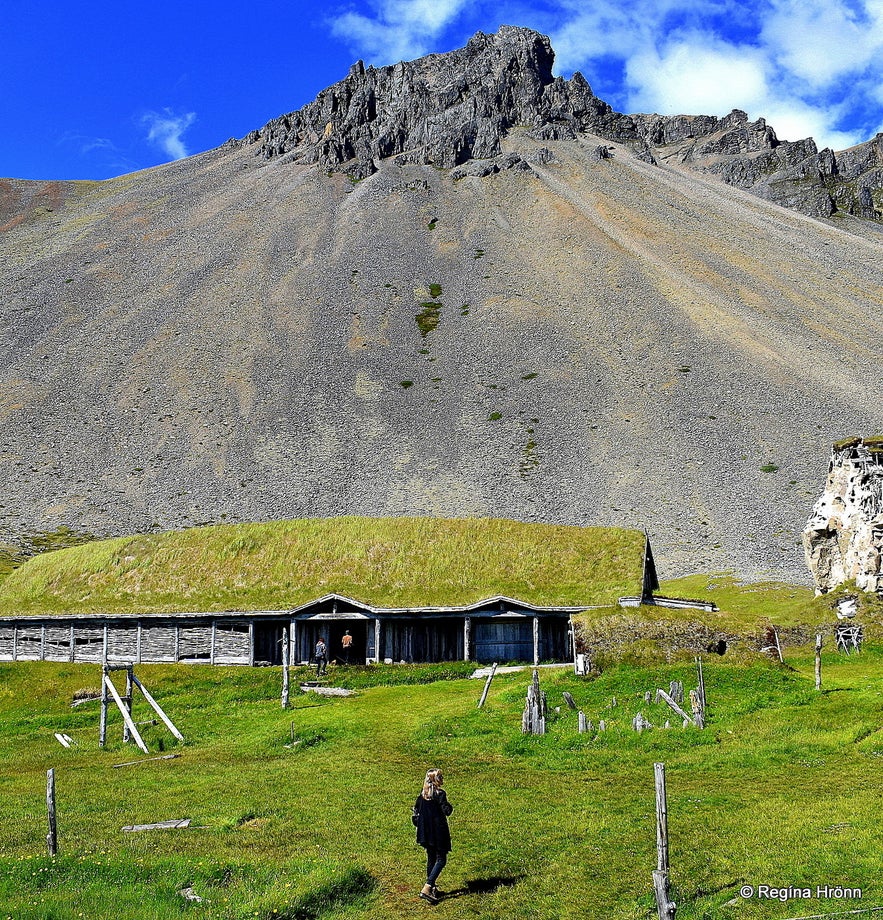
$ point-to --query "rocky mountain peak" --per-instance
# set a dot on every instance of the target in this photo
(447, 110)
(442, 109)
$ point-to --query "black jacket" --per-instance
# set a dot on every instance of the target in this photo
(432, 821)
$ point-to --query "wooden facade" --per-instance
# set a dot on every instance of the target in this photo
(497, 629)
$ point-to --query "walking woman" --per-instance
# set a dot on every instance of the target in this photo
(430, 817)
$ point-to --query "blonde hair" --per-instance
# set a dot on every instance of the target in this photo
(432, 783)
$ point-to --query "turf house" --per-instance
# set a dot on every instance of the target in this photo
(406, 589)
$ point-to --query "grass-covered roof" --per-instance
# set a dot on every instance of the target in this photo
(385, 562)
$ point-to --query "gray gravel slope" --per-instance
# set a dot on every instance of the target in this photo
(227, 339)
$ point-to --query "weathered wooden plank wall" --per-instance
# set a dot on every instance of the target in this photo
(244, 641)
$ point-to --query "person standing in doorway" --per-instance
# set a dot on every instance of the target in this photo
(321, 657)
(430, 817)
(347, 643)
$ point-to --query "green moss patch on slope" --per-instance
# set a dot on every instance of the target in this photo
(394, 562)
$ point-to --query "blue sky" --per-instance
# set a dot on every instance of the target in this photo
(95, 89)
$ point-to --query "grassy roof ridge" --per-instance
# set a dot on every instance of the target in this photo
(383, 562)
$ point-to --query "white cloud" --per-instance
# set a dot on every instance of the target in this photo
(399, 30)
(794, 120)
(702, 75)
(165, 130)
(821, 41)
(694, 76)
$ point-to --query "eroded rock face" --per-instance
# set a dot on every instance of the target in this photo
(443, 109)
(749, 155)
(843, 539)
(449, 110)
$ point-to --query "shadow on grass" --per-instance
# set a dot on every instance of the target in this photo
(482, 886)
(349, 888)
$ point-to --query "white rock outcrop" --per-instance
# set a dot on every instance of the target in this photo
(843, 538)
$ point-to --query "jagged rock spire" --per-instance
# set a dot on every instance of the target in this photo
(442, 109)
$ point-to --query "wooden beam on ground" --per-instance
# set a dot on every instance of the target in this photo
(132, 763)
(157, 709)
(127, 719)
(159, 826)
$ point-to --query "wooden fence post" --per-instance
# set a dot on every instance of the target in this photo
(696, 706)
(701, 679)
(818, 661)
(102, 725)
(285, 656)
(676, 691)
(665, 906)
(127, 699)
(52, 836)
(533, 721)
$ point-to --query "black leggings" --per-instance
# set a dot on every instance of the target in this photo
(435, 862)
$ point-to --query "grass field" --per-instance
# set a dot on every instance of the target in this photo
(782, 788)
(383, 561)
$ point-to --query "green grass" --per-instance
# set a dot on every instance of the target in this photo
(746, 612)
(782, 788)
(384, 561)
(11, 557)
(746, 605)
(428, 317)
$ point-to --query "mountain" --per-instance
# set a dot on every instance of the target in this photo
(457, 286)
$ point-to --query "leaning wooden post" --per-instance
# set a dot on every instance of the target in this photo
(125, 713)
(662, 695)
(778, 646)
(285, 656)
(665, 906)
(127, 699)
(818, 661)
(102, 726)
(487, 685)
(52, 836)
(157, 709)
